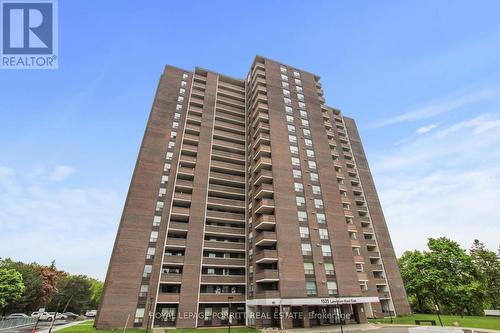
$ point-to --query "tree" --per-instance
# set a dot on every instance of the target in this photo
(96, 288)
(73, 290)
(11, 286)
(487, 263)
(411, 265)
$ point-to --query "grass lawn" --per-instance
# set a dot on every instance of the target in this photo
(86, 327)
(467, 321)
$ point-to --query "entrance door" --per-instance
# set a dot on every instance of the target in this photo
(297, 317)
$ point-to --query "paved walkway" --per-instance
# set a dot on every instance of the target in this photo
(335, 328)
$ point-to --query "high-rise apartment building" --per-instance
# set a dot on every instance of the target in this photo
(250, 197)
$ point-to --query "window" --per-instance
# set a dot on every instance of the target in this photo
(306, 132)
(299, 187)
(139, 315)
(296, 74)
(287, 101)
(184, 76)
(166, 167)
(294, 149)
(314, 176)
(156, 221)
(175, 124)
(303, 114)
(348, 220)
(147, 270)
(327, 251)
(311, 165)
(208, 313)
(359, 268)
(302, 105)
(177, 116)
(210, 271)
(180, 99)
(284, 77)
(300, 201)
(332, 287)
(291, 128)
(285, 85)
(302, 216)
(162, 192)
(306, 249)
(171, 144)
(182, 91)
(286, 92)
(288, 110)
(295, 161)
(292, 139)
(318, 203)
(164, 179)
(311, 288)
(153, 237)
(297, 174)
(178, 107)
(143, 292)
(329, 270)
(316, 189)
(298, 82)
(299, 90)
(355, 251)
(323, 233)
(283, 69)
(363, 285)
(170, 155)
(352, 235)
(300, 97)
(308, 142)
(304, 232)
(310, 153)
(289, 119)
(321, 218)
(151, 253)
(308, 268)
(346, 206)
(304, 122)
(159, 206)
(183, 83)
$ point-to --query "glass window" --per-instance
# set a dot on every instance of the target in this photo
(291, 128)
(312, 165)
(304, 122)
(283, 69)
(303, 114)
(184, 76)
(306, 249)
(300, 97)
(284, 77)
(159, 205)
(321, 218)
(183, 83)
(310, 153)
(304, 232)
(292, 139)
(180, 99)
(294, 149)
(175, 124)
(296, 74)
(285, 85)
(316, 189)
(348, 220)
(295, 161)
(329, 270)
(299, 90)
(311, 287)
(318, 203)
(308, 142)
(154, 236)
(289, 119)
(297, 174)
(287, 101)
(352, 235)
(327, 251)
(156, 221)
(177, 116)
(307, 133)
(363, 285)
(355, 251)
(286, 92)
(178, 107)
(298, 82)
(302, 105)
(359, 268)
(162, 192)
(170, 155)
(288, 110)
(208, 313)
(302, 216)
(147, 270)
(308, 268)
(164, 179)
(300, 201)
(171, 144)
(299, 187)
(182, 91)
(166, 167)
(314, 176)
(323, 233)
(139, 313)
(332, 287)
(151, 253)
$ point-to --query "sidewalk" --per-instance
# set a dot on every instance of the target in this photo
(335, 328)
(467, 329)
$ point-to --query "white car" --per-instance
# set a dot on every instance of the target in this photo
(59, 316)
(43, 316)
(91, 313)
(17, 316)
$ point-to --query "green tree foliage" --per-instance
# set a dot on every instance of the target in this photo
(488, 265)
(11, 286)
(74, 291)
(444, 275)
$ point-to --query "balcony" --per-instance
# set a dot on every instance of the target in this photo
(265, 238)
(229, 133)
(177, 226)
(373, 254)
(170, 278)
(264, 206)
(268, 294)
(231, 102)
(218, 230)
(168, 298)
(261, 117)
(193, 119)
(261, 128)
(266, 256)
(182, 198)
(176, 242)
(226, 204)
(330, 134)
(221, 298)
(377, 267)
(188, 161)
(191, 139)
(185, 172)
(230, 109)
(227, 167)
(238, 96)
(262, 151)
(227, 191)
(179, 213)
(262, 162)
(223, 279)
(264, 191)
(267, 275)
(228, 146)
(183, 185)
(197, 98)
(229, 118)
(217, 245)
(261, 138)
(224, 217)
(362, 208)
(173, 260)
(223, 262)
(227, 179)
(265, 222)
(264, 176)
(232, 87)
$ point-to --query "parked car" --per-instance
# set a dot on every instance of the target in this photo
(43, 316)
(70, 315)
(91, 313)
(17, 316)
(59, 316)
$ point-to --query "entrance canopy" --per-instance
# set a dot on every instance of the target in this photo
(311, 301)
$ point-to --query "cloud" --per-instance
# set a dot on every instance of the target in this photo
(444, 105)
(446, 183)
(41, 221)
(61, 172)
(426, 129)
